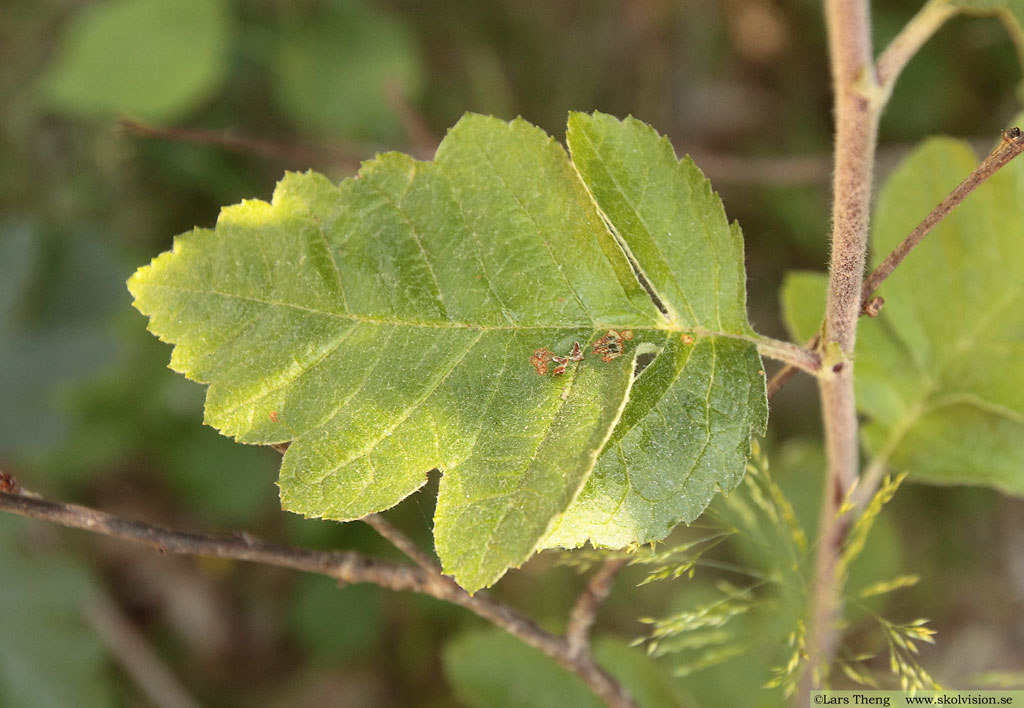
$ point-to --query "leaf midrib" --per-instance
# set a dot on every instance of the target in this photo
(647, 230)
(448, 324)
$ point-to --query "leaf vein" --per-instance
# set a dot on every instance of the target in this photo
(404, 415)
(419, 244)
(540, 235)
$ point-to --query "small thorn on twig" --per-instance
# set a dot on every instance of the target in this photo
(873, 306)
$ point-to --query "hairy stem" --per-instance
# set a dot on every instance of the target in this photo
(858, 102)
(887, 70)
(343, 566)
(860, 95)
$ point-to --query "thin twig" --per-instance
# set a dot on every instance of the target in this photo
(784, 375)
(910, 39)
(793, 355)
(422, 138)
(583, 613)
(780, 378)
(131, 650)
(402, 542)
(296, 154)
(777, 171)
(1008, 148)
(343, 566)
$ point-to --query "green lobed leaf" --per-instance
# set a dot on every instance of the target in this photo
(386, 327)
(145, 58)
(938, 372)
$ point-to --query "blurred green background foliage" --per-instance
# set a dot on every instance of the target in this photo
(125, 122)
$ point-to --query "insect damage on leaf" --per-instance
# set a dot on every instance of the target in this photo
(543, 356)
(611, 346)
(540, 360)
(563, 361)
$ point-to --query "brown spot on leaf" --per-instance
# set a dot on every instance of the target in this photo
(562, 361)
(540, 360)
(543, 356)
(611, 345)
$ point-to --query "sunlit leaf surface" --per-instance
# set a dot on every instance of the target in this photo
(427, 315)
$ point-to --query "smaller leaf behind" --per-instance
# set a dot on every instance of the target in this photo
(937, 372)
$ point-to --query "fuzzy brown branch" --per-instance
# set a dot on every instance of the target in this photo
(583, 613)
(858, 103)
(343, 566)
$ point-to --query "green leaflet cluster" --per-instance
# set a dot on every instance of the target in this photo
(385, 327)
